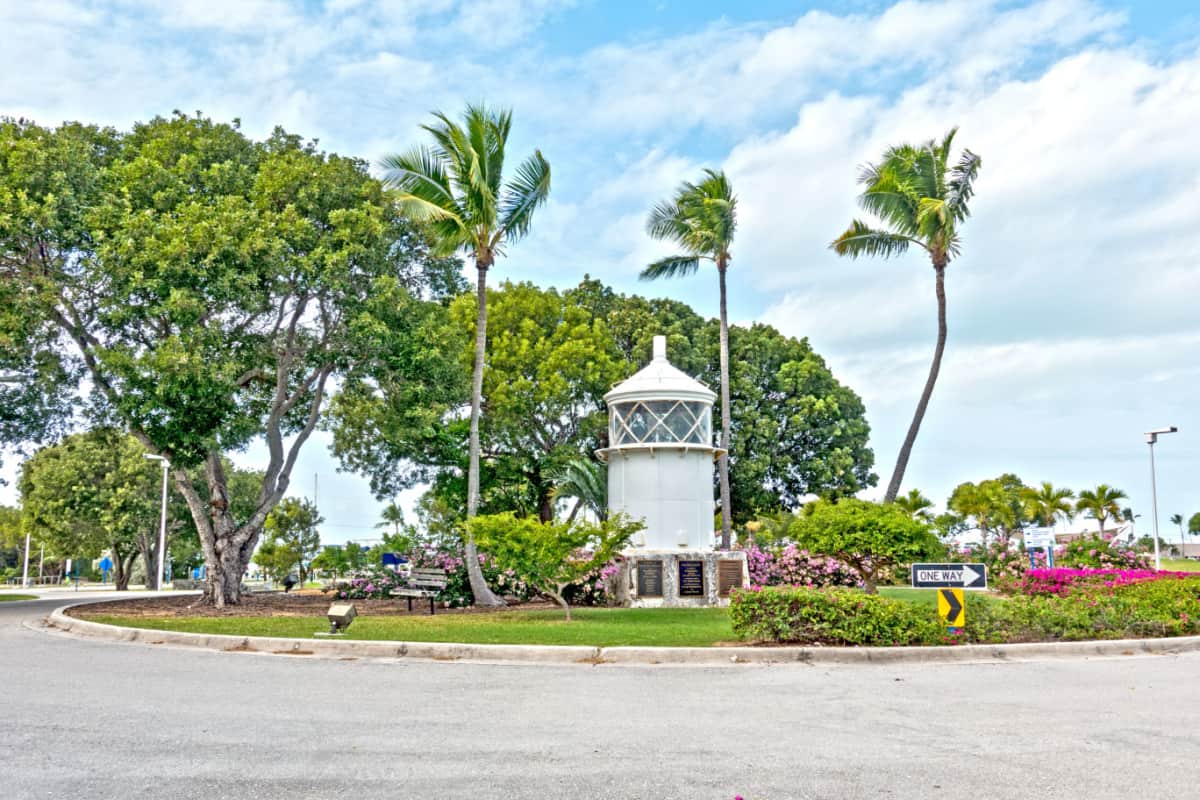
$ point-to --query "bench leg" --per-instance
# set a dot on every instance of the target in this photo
(410, 605)
(431, 606)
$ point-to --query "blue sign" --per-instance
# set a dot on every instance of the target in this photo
(106, 564)
(393, 559)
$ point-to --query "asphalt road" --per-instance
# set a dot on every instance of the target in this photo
(85, 719)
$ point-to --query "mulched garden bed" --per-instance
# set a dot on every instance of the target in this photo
(271, 604)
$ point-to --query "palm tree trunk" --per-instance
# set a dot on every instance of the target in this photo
(483, 595)
(723, 462)
(906, 448)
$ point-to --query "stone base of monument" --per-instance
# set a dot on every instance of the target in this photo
(680, 579)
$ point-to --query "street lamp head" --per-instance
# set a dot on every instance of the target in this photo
(153, 457)
(1152, 436)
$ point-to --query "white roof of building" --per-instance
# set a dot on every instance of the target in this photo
(660, 379)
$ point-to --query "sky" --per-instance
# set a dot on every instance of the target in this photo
(1072, 309)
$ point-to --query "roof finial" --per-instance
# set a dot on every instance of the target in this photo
(660, 348)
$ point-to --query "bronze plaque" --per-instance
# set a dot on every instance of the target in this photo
(649, 578)
(729, 575)
(691, 579)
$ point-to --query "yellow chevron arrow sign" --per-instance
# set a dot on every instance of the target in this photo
(951, 607)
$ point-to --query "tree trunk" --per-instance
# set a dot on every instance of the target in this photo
(122, 568)
(479, 588)
(558, 598)
(149, 553)
(723, 461)
(893, 489)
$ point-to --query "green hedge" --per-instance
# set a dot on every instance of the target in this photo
(833, 616)
(840, 616)
(1141, 610)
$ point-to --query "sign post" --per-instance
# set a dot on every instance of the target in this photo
(1040, 539)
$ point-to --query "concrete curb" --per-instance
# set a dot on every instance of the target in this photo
(625, 656)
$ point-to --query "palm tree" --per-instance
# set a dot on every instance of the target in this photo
(1102, 503)
(1046, 504)
(1177, 519)
(917, 505)
(701, 219)
(922, 201)
(455, 188)
(585, 481)
(392, 517)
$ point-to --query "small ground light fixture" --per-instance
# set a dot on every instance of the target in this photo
(340, 616)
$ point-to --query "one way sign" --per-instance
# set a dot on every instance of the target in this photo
(959, 576)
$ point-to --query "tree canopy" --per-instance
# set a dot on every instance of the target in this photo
(554, 355)
(213, 289)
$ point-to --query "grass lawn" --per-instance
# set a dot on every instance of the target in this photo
(600, 627)
(6, 597)
(1180, 565)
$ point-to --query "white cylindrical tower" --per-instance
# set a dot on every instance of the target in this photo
(660, 455)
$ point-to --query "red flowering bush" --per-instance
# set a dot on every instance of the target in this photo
(1063, 581)
(791, 566)
(1100, 553)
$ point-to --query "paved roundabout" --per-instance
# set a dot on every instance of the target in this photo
(97, 719)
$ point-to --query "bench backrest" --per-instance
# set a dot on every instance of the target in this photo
(435, 578)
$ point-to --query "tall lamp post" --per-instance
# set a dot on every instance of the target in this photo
(1151, 438)
(162, 525)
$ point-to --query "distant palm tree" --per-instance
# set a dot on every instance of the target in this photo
(701, 219)
(922, 201)
(1046, 504)
(1101, 504)
(456, 189)
(917, 505)
(392, 517)
(585, 481)
(1177, 519)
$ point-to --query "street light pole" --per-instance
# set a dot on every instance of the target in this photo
(162, 524)
(25, 574)
(1151, 438)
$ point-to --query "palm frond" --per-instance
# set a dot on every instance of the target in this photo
(861, 239)
(671, 267)
(961, 186)
(527, 190)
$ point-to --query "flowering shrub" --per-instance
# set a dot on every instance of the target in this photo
(1062, 581)
(1099, 553)
(791, 566)
(836, 616)
(377, 583)
(597, 588)
(1146, 608)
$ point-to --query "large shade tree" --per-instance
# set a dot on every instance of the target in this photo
(94, 492)
(456, 187)
(212, 289)
(701, 220)
(922, 200)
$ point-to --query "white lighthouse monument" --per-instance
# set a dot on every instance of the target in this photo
(660, 471)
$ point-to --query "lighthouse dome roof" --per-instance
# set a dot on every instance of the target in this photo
(660, 379)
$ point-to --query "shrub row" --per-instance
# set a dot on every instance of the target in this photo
(833, 616)
(838, 616)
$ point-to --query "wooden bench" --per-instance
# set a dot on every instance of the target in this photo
(422, 583)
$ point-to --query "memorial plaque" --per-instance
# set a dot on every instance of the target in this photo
(649, 578)
(729, 575)
(691, 579)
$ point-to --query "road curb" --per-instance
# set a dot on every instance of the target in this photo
(630, 656)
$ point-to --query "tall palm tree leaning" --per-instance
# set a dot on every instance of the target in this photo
(701, 219)
(1102, 504)
(455, 189)
(922, 200)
